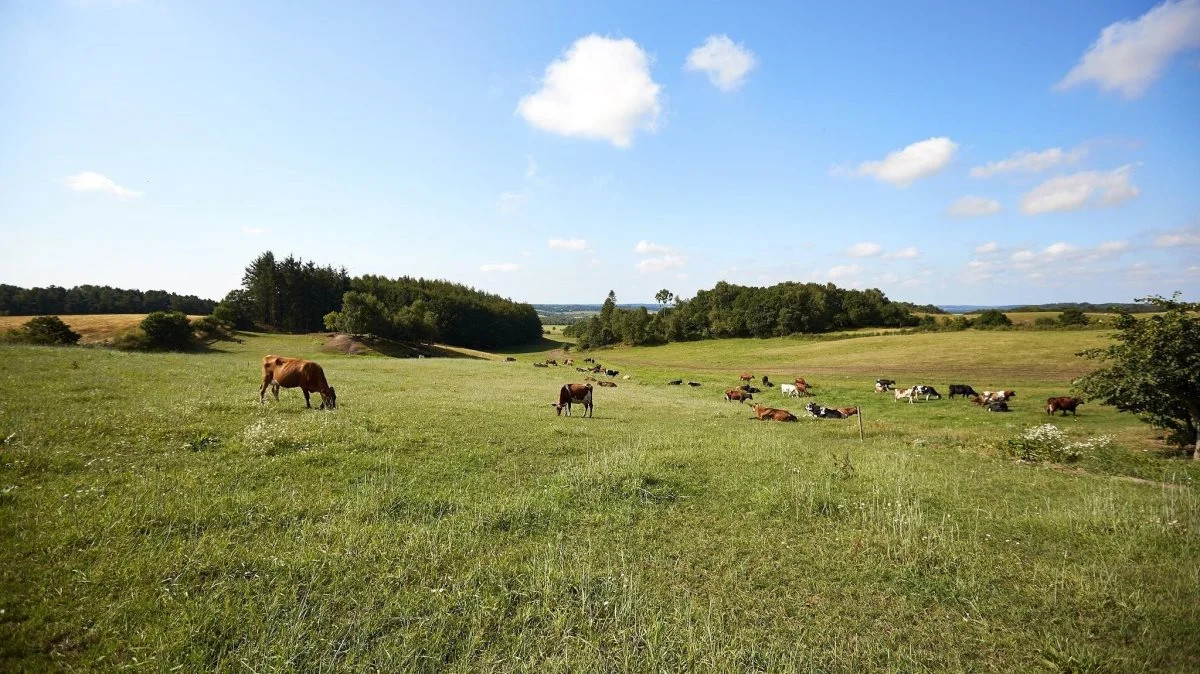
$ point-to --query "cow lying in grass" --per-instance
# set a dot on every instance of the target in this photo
(1063, 405)
(997, 396)
(574, 394)
(296, 372)
(772, 414)
(609, 384)
(830, 412)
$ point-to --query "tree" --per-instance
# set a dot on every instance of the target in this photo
(992, 318)
(1072, 317)
(363, 314)
(1153, 369)
(49, 330)
(664, 297)
(167, 330)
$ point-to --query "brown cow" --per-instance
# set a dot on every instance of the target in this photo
(296, 372)
(848, 411)
(764, 413)
(738, 395)
(746, 376)
(1063, 404)
(574, 393)
(609, 384)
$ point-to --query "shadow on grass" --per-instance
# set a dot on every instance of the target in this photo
(539, 346)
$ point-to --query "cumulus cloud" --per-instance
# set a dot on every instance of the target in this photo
(987, 248)
(647, 247)
(1181, 237)
(90, 181)
(906, 253)
(1130, 55)
(973, 207)
(500, 267)
(574, 245)
(512, 202)
(1030, 162)
(1064, 252)
(600, 89)
(864, 249)
(843, 271)
(902, 167)
(1080, 190)
(661, 263)
(725, 62)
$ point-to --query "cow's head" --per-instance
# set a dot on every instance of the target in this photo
(557, 408)
(329, 399)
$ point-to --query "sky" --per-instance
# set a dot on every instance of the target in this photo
(944, 152)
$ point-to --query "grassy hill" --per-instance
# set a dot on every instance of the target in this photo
(153, 513)
(92, 327)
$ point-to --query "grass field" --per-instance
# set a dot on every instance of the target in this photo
(154, 515)
(92, 327)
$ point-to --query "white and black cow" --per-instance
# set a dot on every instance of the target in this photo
(927, 391)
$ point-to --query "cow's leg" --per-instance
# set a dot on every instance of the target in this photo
(262, 391)
(275, 390)
(306, 401)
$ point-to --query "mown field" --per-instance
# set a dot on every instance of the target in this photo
(91, 327)
(155, 515)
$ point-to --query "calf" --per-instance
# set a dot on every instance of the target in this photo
(280, 371)
(574, 393)
(961, 390)
(675, 382)
(738, 395)
(609, 384)
(789, 390)
(1062, 404)
(927, 391)
(746, 376)
(999, 406)
(910, 393)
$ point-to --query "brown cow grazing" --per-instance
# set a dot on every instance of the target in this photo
(1063, 404)
(296, 372)
(574, 393)
(609, 384)
(738, 395)
(746, 376)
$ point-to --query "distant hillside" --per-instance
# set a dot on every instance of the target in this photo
(1086, 307)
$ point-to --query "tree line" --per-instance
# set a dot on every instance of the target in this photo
(291, 295)
(91, 299)
(729, 310)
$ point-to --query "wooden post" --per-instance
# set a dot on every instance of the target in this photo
(860, 430)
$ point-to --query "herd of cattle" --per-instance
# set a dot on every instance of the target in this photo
(280, 371)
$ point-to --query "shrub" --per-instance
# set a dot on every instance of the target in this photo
(1072, 317)
(992, 318)
(47, 330)
(1049, 443)
(167, 330)
(131, 341)
(208, 328)
(1046, 322)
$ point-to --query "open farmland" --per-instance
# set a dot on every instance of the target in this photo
(91, 327)
(153, 514)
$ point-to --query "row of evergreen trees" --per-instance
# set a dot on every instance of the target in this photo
(89, 299)
(291, 295)
(743, 311)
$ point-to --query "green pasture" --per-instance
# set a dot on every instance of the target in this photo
(155, 516)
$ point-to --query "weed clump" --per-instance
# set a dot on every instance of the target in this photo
(1048, 442)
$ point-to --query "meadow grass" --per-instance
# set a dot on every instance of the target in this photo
(155, 515)
(91, 327)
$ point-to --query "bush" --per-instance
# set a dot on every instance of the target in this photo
(209, 328)
(1072, 317)
(46, 330)
(1049, 443)
(131, 341)
(167, 330)
(992, 318)
(1046, 322)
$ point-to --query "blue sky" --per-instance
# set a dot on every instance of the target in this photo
(944, 152)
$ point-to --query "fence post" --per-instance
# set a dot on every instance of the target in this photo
(860, 430)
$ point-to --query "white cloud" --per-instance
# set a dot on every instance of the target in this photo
(843, 271)
(252, 231)
(575, 245)
(864, 249)
(600, 88)
(1060, 249)
(973, 207)
(500, 267)
(1079, 190)
(512, 202)
(986, 248)
(1023, 256)
(1130, 55)
(664, 262)
(531, 167)
(902, 167)
(526, 253)
(1030, 162)
(1112, 247)
(647, 247)
(90, 181)
(725, 62)
(682, 276)
(906, 253)
(1182, 237)
(1073, 255)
